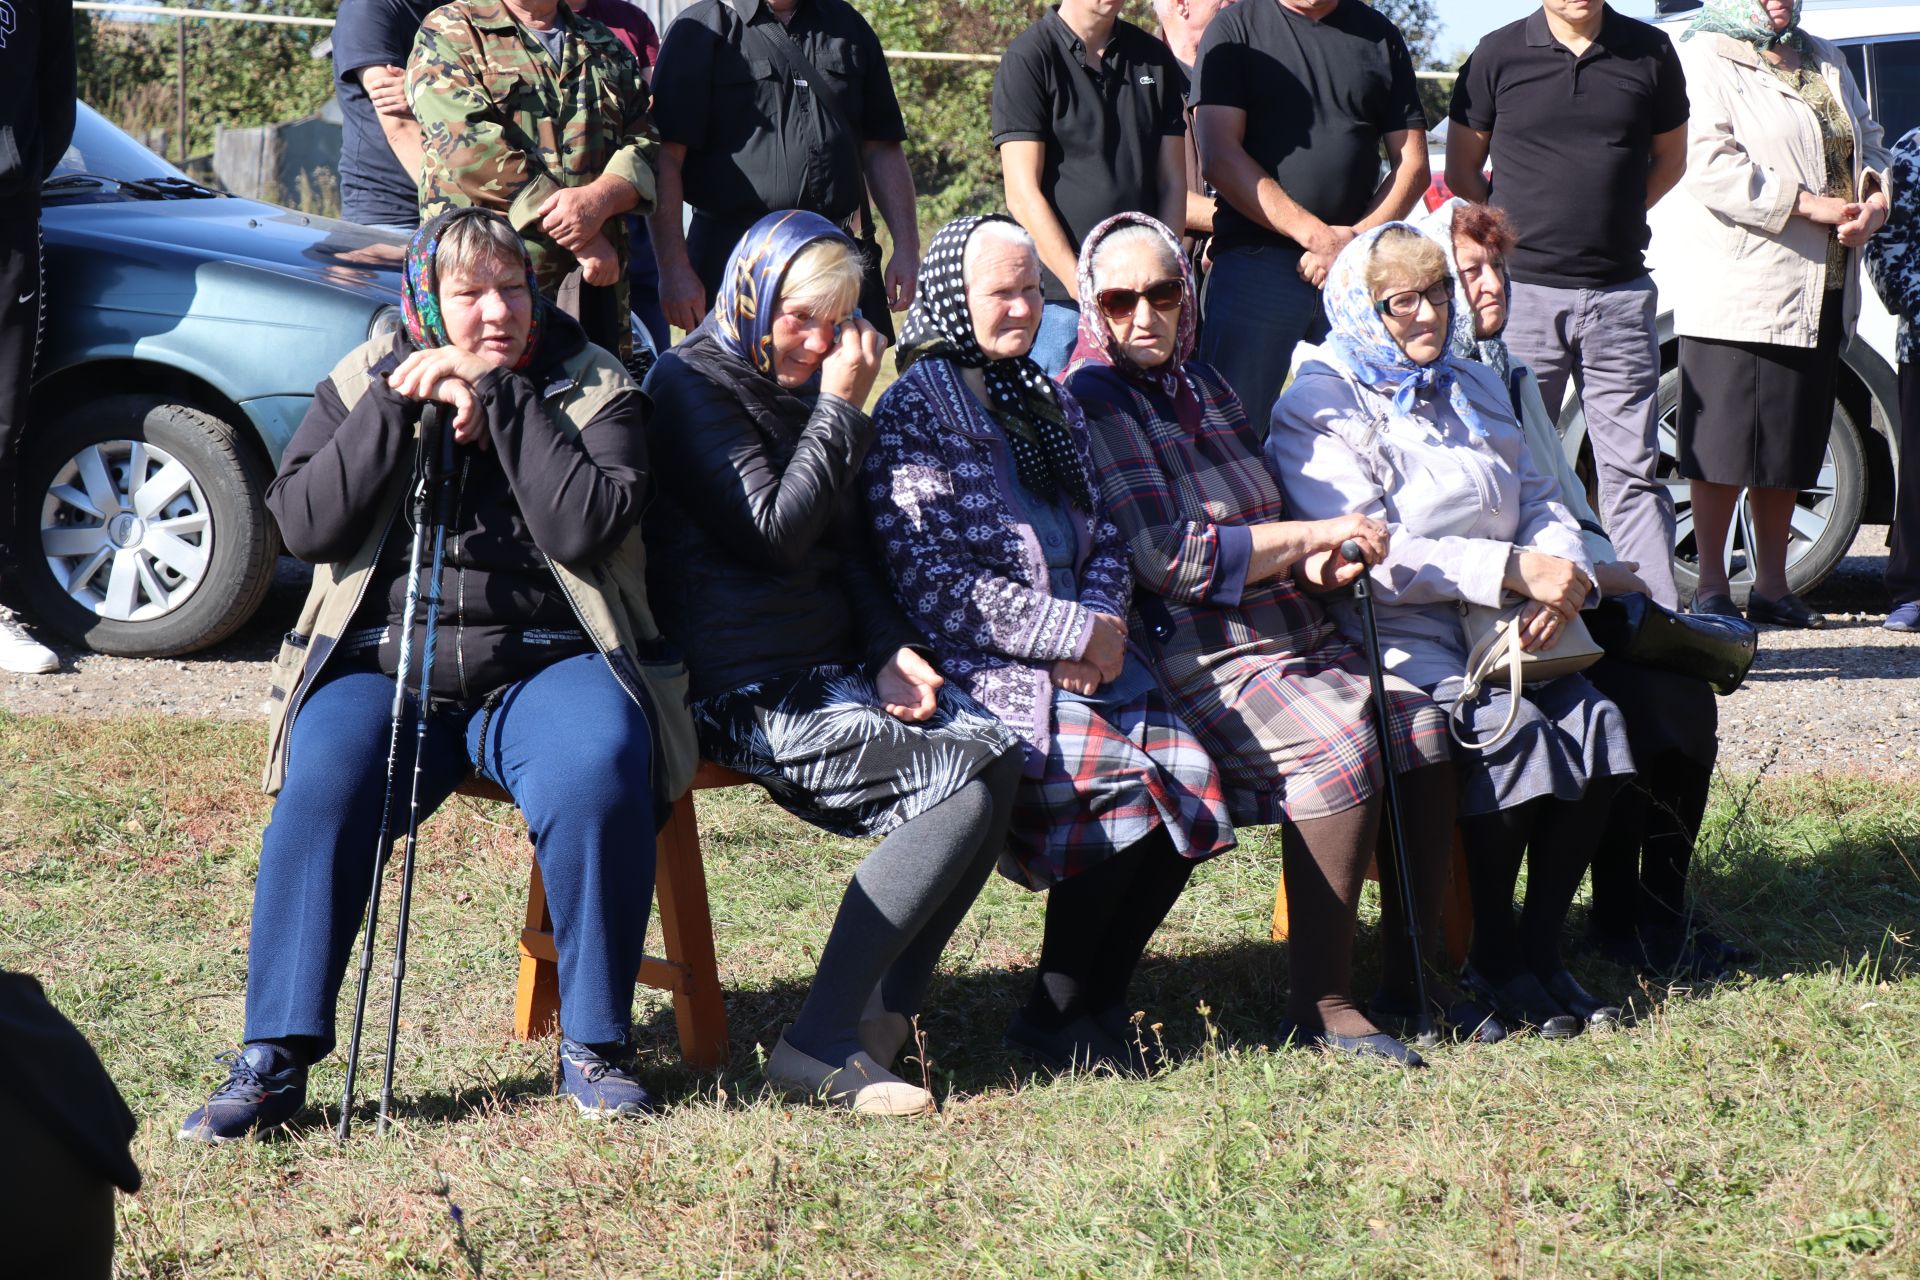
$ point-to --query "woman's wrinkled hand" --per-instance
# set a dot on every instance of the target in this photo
(448, 375)
(1617, 578)
(1326, 571)
(908, 685)
(850, 368)
(1371, 534)
(1855, 232)
(1082, 678)
(1550, 580)
(1540, 625)
(1106, 648)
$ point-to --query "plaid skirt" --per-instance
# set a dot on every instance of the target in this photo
(825, 748)
(1293, 735)
(1109, 777)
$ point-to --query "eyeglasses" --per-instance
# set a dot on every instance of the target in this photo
(1406, 305)
(1162, 295)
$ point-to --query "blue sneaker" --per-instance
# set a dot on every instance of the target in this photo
(265, 1088)
(1904, 617)
(600, 1086)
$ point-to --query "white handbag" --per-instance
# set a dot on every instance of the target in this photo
(1494, 655)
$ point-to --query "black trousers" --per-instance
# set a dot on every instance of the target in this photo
(20, 318)
(1903, 539)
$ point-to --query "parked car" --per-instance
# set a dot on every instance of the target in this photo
(1881, 43)
(185, 333)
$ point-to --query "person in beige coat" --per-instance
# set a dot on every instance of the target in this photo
(1786, 179)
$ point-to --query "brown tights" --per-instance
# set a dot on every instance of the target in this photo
(1325, 863)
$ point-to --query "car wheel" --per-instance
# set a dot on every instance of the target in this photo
(143, 528)
(1825, 518)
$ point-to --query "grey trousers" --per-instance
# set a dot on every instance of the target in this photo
(1606, 341)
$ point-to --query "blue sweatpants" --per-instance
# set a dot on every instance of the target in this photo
(572, 749)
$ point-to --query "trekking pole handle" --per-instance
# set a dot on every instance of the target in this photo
(1350, 552)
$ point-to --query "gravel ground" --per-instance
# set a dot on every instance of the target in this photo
(1842, 699)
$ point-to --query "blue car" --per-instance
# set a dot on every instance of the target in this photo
(186, 330)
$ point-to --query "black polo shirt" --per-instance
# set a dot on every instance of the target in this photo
(1102, 125)
(1572, 138)
(374, 186)
(1319, 97)
(756, 140)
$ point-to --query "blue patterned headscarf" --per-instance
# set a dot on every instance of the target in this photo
(1360, 337)
(741, 321)
(1747, 22)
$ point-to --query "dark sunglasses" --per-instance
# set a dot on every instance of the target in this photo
(1162, 295)
(1406, 305)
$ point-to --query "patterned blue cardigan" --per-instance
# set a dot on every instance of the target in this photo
(966, 567)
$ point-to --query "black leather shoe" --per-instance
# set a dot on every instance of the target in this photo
(1718, 605)
(1521, 1003)
(1456, 1017)
(1378, 1045)
(1580, 1002)
(1080, 1045)
(1788, 611)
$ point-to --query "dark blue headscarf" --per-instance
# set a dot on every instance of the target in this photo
(741, 322)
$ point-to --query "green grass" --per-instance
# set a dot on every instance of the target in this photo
(1767, 1127)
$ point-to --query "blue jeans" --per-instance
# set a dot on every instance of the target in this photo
(1059, 328)
(572, 749)
(1258, 309)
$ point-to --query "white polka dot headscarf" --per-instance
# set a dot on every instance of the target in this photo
(1023, 399)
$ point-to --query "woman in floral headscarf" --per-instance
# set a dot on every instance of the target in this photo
(548, 675)
(805, 675)
(1382, 420)
(1000, 549)
(1250, 660)
(1785, 185)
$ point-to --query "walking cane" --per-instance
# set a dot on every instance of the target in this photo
(1363, 591)
(433, 449)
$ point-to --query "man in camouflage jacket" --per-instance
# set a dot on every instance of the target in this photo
(531, 110)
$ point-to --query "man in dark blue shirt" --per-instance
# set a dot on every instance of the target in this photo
(379, 138)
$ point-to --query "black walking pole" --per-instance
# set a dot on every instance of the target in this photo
(429, 429)
(1382, 721)
(439, 481)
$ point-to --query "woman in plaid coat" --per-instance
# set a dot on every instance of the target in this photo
(1251, 662)
(981, 490)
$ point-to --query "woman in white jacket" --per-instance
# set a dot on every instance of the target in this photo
(1383, 421)
(1785, 184)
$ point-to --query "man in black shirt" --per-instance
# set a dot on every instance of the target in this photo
(36, 125)
(379, 138)
(1295, 99)
(777, 104)
(1584, 112)
(1089, 116)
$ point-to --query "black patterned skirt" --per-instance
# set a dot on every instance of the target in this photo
(822, 744)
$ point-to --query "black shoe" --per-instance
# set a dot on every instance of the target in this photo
(1522, 1003)
(1454, 1017)
(1580, 1002)
(1788, 611)
(1080, 1045)
(1721, 606)
(1378, 1045)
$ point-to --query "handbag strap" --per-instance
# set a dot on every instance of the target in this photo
(1507, 649)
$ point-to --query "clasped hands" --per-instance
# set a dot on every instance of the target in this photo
(1102, 660)
(448, 375)
(573, 217)
(1555, 589)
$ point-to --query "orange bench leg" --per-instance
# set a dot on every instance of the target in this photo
(536, 1001)
(686, 926)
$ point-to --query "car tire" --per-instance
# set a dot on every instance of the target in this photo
(140, 580)
(1826, 517)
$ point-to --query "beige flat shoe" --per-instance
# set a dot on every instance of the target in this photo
(862, 1086)
(883, 1033)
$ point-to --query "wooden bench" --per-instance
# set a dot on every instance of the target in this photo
(690, 969)
(1456, 912)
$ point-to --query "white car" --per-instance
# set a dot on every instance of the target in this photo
(1882, 44)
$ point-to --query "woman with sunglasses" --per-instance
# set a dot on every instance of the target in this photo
(1383, 420)
(1250, 660)
(984, 500)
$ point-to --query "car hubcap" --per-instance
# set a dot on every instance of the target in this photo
(126, 532)
(1812, 512)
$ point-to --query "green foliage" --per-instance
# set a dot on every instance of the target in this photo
(237, 73)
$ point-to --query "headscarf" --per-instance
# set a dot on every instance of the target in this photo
(1097, 343)
(1464, 345)
(1360, 337)
(1020, 395)
(744, 307)
(1747, 22)
(420, 284)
